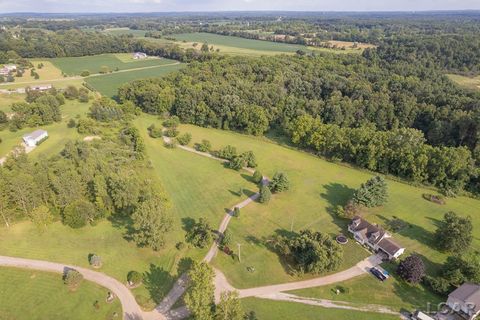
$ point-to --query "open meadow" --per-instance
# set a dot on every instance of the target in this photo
(317, 187)
(35, 295)
(108, 84)
(113, 62)
(472, 83)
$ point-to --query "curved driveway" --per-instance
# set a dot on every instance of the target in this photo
(131, 310)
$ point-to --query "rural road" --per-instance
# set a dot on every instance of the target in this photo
(131, 309)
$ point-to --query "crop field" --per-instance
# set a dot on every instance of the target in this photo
(122, 31)
(35, 295)
(108, 84)
(93, 64)
(317, 187)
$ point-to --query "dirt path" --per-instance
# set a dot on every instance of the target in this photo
(131, 310)
(26, 148)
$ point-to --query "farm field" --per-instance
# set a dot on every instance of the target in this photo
(58, 132)
(317, 187)
(122, 31)
(75, 65)
(35, 295)
(271, 310)
(472, 83)
(241, 46)
(108, 84)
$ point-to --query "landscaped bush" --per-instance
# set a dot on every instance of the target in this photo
(204, 146)
(85, 73)
(154, 132)
(172, 144)
(228, 152)
(95, 261)
(411, 269)
(171, 122)
(134, 278)
(236, 212)
(265, 194)
(71, 123)
(438, 199)
(171, 132)
(72, 278)
(279, 183)
(257, 177)
(184, 139)
(180, 246)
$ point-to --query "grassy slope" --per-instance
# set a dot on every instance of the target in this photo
(317, 186)
(37, 295)
(109, 84)
(472, 83)
(58, 132)
(6, 100)
(75, 65)
(273, 310)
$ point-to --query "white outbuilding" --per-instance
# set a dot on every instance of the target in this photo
(32, 139)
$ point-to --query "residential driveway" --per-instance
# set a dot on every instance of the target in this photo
(131, 310)
(359, 269)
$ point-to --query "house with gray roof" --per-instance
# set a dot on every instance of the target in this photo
(465, 301)
(375, 238)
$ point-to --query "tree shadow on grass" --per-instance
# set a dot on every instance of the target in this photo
(247, 177)
(158, 282)
(337, 195)
(187, 224)
(184, 265)
(123, 223)
(408, 230)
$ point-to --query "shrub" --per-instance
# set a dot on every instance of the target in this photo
(85, 73)
(257, 177)
(71, 123)
(236, 212)
(228, 152)
(184, 139)
(172, 144)
(411, 269)
(265, 194)
(72, 278)
(134, 278)
(279, 183)
(171, 122)
(180, 245)
(171, 132)
(154, 132)
(226, 239)
(438, 199)
(250, 159)
(71, 92)
(204, 146)
(438, 285)
(95, 261)
(236, 163)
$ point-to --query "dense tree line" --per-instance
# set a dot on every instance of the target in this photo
(42, 110)
(397, 118)
(85, 183)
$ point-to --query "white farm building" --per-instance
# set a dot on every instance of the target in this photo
(32, 139)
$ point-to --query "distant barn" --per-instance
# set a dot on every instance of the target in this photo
(139, 55)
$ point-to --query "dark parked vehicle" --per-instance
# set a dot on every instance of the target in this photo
(377, 273)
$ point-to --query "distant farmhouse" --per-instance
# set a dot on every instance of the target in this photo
(35, 137)
(7, 69)
(139, 55)
(44, 87)
(375, 238)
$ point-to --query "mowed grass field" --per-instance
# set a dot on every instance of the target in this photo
(35, 295)
(197, 188)
(317, 187)
(75, 65)
(472, 83)
(108, 84)
(241, 46)
(273, 310)
(58, 132)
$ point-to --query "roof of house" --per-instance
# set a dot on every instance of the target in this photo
(468, 293)
(389, 246)
(366, 229)
(35, 134)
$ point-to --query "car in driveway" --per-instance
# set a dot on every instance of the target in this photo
(378, 274)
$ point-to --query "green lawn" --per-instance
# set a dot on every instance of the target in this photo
(109, 84)
(6, 100)
(472, 83)
(367, 289)
(241, 46)
(317, 186)
(58, 132)
(273, 310)
(34, 295)
(75, 65)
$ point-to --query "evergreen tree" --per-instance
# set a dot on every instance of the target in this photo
(373, 193)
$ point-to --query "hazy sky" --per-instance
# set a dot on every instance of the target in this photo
(225, 5)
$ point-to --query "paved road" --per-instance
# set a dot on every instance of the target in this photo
(131, 310)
